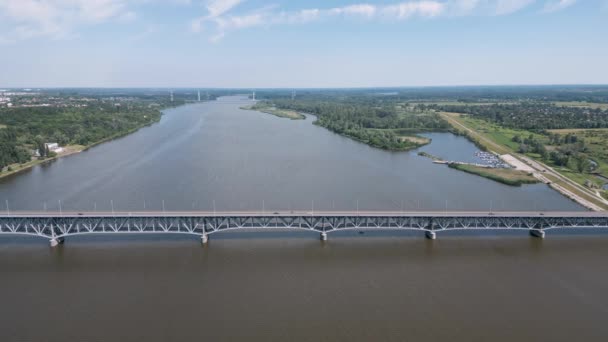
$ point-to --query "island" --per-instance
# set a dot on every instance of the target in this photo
(558, 133)
(268, 108)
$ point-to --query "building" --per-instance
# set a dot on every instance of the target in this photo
(54, 147)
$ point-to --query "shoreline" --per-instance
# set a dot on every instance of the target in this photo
(413, 139)
(405, 149)
(35, 162)
(280, 113)
(510, 177)
(29, 165)
(542, 172)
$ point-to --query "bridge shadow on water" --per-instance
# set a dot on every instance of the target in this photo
(287, 234)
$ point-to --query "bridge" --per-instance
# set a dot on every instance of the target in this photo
(57, 226)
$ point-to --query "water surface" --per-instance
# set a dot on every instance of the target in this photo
(245, 160)
(289, 286)
(263, 289)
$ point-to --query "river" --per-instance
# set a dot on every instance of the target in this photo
(244, 160)
(284, 286)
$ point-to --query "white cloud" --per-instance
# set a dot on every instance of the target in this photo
(365, 10)
(225, 23)
(215, 8)
(219, 7)
(558, 5)
(504, 7)
(420, 8)
(57, 18)
(463, 7)
(22, 19)
(299, 17)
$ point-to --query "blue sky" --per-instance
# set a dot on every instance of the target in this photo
(342, 43)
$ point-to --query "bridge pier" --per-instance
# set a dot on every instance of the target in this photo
(204, 239)
(430, 235)
(538, 233)
(56, 242)
(323, 236)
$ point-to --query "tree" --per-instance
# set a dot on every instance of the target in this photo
(523, 148)
(583, 164)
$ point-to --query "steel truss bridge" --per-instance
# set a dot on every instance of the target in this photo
(57, 226)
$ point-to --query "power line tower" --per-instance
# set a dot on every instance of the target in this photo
(293, 95)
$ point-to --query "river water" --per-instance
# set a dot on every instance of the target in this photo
(283, 286)
(245, 160)
(288, 288)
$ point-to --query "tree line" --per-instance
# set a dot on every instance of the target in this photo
(372, 122)
(29, 128)
(532, 115)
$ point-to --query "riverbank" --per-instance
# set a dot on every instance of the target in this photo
(70, 150)
(403, 143)
(542, 172)
(17, 168)
(281, 113)
(510, 177)
(308, 163)
(507, 176)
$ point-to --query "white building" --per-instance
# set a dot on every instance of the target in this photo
(54, 147)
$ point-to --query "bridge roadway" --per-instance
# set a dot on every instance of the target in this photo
(56, 226)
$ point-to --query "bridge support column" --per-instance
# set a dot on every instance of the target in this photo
(204, 239)
(323, 236)
(537, 233)
(430, 235)
(56, 242)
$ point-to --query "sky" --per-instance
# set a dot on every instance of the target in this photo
(301, 44)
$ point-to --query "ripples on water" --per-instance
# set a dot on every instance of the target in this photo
(284, 288)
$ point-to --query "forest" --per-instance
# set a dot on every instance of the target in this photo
(10, 151)
(463, 94)
(378, 123)
(27, 128)
(532, 115)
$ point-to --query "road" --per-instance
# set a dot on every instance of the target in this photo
(36, 214)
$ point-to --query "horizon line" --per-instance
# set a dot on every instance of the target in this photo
(319, 88)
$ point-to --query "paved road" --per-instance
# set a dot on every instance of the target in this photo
(307, 213)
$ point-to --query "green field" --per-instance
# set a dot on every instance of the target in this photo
(505, 176)
(488, 135)
(596, 141)
(496, 133)
(498, 139)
